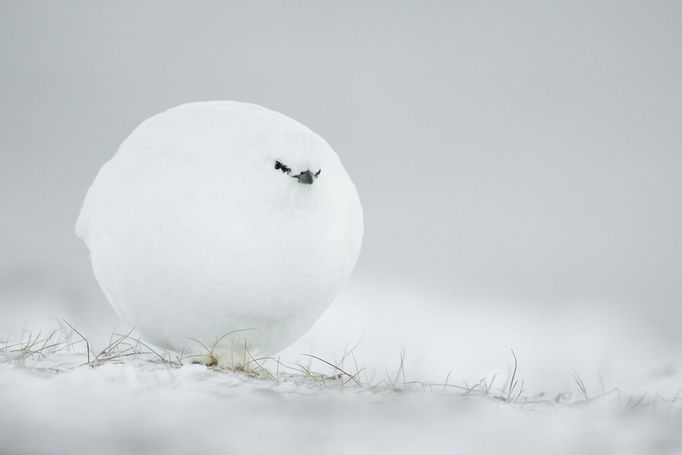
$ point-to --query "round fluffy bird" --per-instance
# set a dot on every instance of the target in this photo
(222, 224)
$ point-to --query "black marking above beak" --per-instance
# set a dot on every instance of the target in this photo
(305, 177)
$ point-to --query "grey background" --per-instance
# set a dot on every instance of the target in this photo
(527, 151)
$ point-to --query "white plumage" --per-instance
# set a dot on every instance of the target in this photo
(196, 231)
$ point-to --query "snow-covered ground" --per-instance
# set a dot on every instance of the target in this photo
(423, 374)
(138, 407)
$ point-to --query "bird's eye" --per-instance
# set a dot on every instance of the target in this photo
(317, 174)
(282, 167)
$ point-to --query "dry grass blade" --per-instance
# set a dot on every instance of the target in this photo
(173, 363)
(87, 344)
(512, 381)
(401, 370)
(581, 385)
(350, 376)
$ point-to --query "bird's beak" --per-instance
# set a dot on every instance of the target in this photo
(305, 177)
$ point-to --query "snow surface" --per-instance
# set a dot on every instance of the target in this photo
(53, 402)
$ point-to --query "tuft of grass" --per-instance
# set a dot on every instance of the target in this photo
(247, 365)
(31, 346)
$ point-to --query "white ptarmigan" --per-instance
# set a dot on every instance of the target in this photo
(219, 218)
